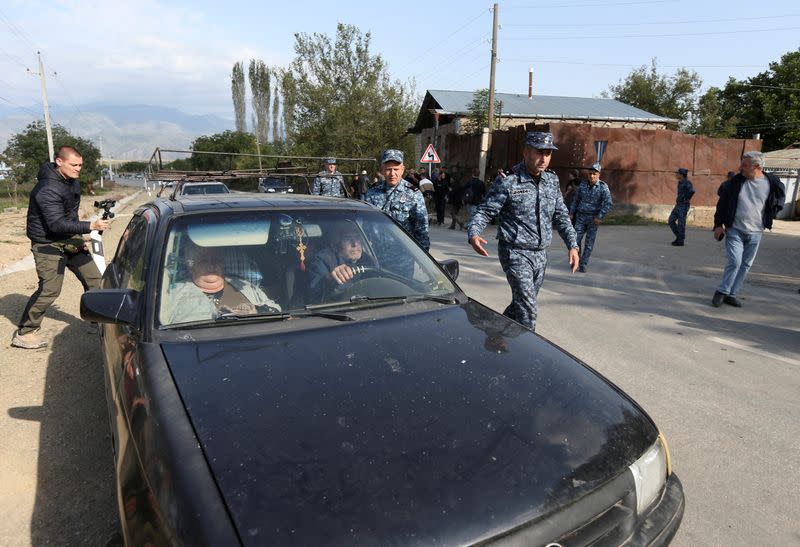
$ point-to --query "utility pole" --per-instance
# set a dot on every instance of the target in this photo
(492, 72)
(47, 126)
(486, 142)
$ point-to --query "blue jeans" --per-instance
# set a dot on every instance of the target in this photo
(740, 250)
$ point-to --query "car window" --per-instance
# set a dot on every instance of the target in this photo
(129, 259)
(267, 262)
(195, 189)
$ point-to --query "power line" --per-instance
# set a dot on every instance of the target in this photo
(593, 5)
(551, 61)
(770, 87)
(431, 48)
(20, 107)
(680, 34)
(18, 31)
(689, 22)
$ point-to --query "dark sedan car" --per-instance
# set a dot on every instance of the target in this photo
(272, 185)
(296, 370)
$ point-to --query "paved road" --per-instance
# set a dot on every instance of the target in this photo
(722, 383)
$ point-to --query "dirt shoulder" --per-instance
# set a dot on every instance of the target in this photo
(55, 452)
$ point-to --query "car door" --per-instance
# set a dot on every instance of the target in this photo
(128, 271)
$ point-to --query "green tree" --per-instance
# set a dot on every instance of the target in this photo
(479, 113)
(344, 101)
(259, 75)
(132, 167)
(768, 103)
(228, 141)
(238, 89)
(710, 120)
(669, 96)
(27, 150)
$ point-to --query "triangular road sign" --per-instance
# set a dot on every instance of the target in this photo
(430, 156)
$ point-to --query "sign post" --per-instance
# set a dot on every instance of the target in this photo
(600, 148)
(430, 156)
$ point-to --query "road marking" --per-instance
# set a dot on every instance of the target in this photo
(503, 278)
(762, 353)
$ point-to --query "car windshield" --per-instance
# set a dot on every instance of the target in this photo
(193, 189)
(273, 182)
(248, 264)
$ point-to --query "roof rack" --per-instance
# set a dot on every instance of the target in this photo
(305, 167)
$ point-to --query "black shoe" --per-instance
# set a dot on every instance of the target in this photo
(718, 299)
(732, 301)
(582, 269)
(677, 243)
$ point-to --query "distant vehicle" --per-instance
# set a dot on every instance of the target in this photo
(277, 185)
(199, 188)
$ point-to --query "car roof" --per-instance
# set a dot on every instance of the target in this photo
(243, 201)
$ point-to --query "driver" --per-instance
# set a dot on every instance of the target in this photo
(337, 264)
(211, 293)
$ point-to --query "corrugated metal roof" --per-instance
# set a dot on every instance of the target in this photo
(547, 106)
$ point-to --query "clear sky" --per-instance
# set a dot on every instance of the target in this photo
(180, 53)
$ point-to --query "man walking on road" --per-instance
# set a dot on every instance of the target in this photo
(591, 204)
(529, 205)
(56, 242)
(329, 182)
(677, 218)
(747, 204)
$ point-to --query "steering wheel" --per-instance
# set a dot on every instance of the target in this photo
(375, 281)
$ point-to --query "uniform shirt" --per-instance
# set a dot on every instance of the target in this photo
(528, 211)
(685, 192)
(404, 204)
(594, 200)
(328, 185)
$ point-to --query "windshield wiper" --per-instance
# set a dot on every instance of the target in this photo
(282, 316)
(400, 299)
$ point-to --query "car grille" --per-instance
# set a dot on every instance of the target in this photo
(604, 517)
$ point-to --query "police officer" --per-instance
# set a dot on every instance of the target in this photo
(592, 202)
(529, 204)
(403, 203)
(329, 182)
(677, 218)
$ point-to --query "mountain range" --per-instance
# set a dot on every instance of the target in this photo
(125, 132)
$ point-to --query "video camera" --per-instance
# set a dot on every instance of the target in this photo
(106, 206)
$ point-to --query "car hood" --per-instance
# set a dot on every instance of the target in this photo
(445, 426)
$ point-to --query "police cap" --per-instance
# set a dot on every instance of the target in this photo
(540, 140)
(392, 155)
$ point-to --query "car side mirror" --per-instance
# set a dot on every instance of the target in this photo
(109, 306)
(450, 267)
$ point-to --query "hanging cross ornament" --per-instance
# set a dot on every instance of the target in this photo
(301, 247)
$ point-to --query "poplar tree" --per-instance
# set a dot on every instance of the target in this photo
(238, 88)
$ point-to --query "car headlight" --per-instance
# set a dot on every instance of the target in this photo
(291, 190)
(271, 190)
(650, 473)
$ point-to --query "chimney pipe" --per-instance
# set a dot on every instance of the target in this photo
(530, 83)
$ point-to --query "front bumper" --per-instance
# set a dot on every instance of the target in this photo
(659, 526)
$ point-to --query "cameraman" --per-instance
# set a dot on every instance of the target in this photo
(56, 241)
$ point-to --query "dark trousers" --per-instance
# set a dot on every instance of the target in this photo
(440, 203)
(677, 221)
(51, 263)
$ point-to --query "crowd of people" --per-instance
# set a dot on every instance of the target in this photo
(526, 201)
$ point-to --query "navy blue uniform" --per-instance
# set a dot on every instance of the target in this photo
(590, 202)
(677, 218)
(528, 209)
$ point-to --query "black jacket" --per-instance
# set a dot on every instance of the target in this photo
(729, 199)
(53, 207)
